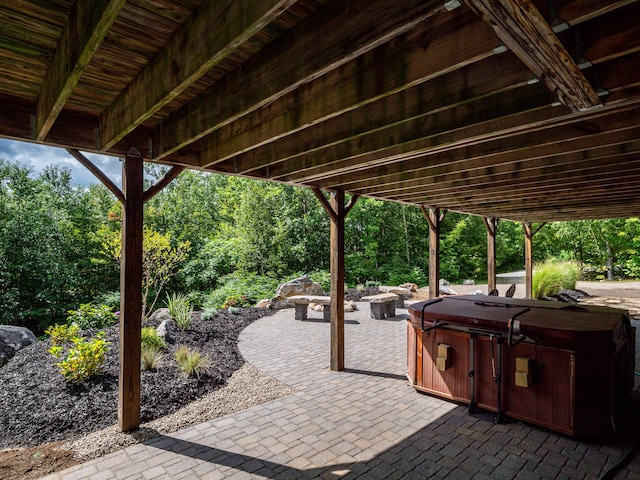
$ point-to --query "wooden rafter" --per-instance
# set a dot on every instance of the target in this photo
(190, 53)
(88, 24)
(524, 31)
(273, 74)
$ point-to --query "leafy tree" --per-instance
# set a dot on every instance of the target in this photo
(161, 259)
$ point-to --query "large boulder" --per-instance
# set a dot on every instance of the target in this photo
(12, 339)
(297, 286)
(160, 315)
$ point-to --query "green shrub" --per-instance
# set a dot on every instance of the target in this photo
(150, 339)
(234, 310)
(151, 357)
(323, 277)
(82, 359)
(253, 287)
(551, 277)
(61, 334)
(208, 313)
(111, 299)
(89, 315)
(236, 301)
(180, 310)
(191, 362)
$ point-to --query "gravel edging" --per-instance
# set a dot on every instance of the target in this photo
(245, 388)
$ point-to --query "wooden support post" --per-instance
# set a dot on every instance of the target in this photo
(337, 212)
(130, 295)
(529, 233)
(337, 282)
(492, 226)
(132, 198)
(434, 218)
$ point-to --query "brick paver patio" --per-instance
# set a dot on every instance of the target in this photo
(366, 422)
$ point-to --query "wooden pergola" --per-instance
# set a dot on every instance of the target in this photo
(509, 109)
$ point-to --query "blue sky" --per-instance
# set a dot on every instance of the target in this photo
(38, 156)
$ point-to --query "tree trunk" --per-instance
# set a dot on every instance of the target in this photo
(609, 262)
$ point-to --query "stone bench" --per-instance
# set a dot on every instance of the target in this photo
(401, 292)
(301, 303)
(382, 305)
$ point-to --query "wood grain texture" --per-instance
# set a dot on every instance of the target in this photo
(131, 296)
(525, 32)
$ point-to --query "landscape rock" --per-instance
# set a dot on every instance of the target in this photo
(264, 303)
(13, 339)
(447, 291)
(166, 328)
(444, 283)
(160, 315)
(412, 287)
(469, 282)
(297, 286)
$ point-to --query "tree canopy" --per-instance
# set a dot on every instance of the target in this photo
(53, 254)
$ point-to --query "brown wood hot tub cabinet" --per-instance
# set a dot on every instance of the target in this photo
(565, 367)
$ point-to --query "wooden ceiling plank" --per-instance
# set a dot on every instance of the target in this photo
(521, 27)
(623, 168)
(504, 163)
(246, 156)
(86, 28)
(358, 84)
(189, 54)
(479, 79)
(440, 129)
(306, 53)
(580, 11)
(319, 171)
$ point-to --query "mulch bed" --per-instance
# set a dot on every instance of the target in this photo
(37, 405)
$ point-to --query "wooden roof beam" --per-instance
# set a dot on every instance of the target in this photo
(523, 30)
(191, 52)
(560, 155)
(453, 43)
(278, 69)
(88, 24)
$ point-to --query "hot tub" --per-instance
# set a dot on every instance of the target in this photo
(565, 367)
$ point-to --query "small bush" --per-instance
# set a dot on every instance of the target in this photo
(191, 362)
(82, 359)
(151, 340)
(61, 334)
(253, 287)
(234, 310)
(89, 315)
(180, 310)
(151, 357)
(236, 301)
(208, 313)
(111, 299)
(551, 277)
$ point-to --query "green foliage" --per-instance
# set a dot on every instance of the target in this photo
(89, 315)
(151, 358)
(208, 313)
(236, 301)
(180, 310)
(47, 248)
(80, 358)
(151, 340)
(161, 259)
(323, 277)
(551, 277)
(234, 310)
(253, 287)
(191, 362)
(111, 299)
(61, 334)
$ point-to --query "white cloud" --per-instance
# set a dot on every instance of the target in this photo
(37, 157)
